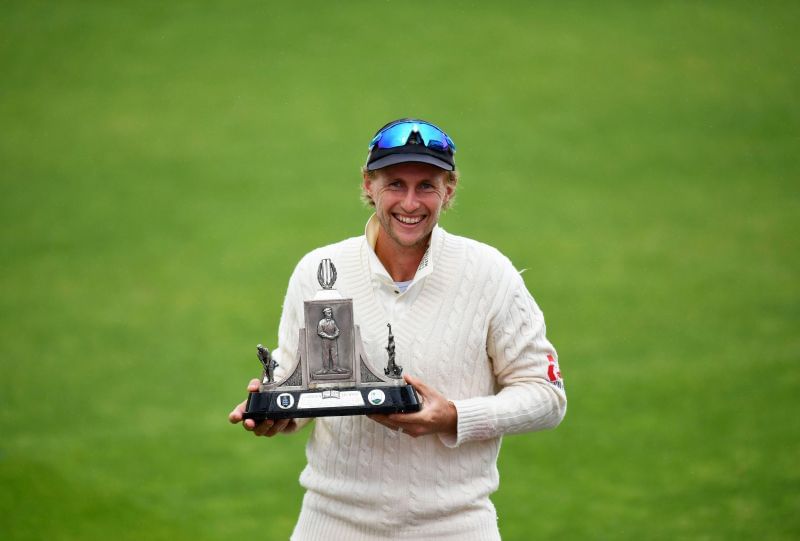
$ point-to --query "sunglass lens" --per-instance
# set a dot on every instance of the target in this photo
(433, 137)
(395, 136)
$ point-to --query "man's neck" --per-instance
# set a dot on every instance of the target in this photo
(401, 262)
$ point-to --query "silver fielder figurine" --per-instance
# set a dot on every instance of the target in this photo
(269, 364)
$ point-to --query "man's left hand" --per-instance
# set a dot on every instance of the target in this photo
(437, 415)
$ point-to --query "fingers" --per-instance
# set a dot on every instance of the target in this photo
(263, 427)
(267, 427)
(381, 419)
(271, 427)
(437, 414)
(236, 415)
(259, 428)
(392, 422)
(384, 420)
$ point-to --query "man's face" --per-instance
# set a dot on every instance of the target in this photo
(328, 313)
(408, 199)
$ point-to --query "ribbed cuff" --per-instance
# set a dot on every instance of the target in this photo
(473, 422)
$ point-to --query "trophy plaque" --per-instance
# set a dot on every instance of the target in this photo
(330, 374)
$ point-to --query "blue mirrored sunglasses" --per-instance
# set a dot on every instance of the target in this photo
(397, 135)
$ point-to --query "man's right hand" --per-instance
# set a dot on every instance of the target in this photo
(267, 427)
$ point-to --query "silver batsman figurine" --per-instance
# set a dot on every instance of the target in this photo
(330, 373)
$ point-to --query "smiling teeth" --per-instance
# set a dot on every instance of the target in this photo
(409, 220)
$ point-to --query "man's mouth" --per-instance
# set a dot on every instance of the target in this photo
(409, 220)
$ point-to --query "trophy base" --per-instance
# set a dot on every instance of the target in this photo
(361, 400)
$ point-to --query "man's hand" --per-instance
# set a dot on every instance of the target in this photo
(437, 415)
(267, 427)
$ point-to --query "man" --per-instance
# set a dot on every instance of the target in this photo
(328, 333)
(472, 342)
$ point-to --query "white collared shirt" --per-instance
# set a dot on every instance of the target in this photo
(390, 294)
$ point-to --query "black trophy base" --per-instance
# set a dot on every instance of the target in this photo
(362, 400)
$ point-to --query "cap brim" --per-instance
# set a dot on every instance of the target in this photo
(393, 159)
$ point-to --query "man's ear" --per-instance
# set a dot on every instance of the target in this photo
(449, 191)
(368, 180)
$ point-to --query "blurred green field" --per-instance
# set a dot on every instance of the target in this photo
(164, 165)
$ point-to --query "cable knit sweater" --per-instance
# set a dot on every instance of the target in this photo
(473, 332)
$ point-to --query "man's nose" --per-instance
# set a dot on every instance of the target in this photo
(410, 201)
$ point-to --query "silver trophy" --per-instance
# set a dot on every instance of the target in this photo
(330, 373)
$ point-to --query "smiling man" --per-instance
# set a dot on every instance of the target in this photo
(472, 341)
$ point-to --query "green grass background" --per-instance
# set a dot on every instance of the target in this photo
(164, 165)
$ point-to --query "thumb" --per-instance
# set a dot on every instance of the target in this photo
(419, 385)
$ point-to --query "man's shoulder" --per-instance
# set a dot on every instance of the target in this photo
(473, 248)
(481, 264)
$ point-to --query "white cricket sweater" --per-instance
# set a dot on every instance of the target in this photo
(473, 332)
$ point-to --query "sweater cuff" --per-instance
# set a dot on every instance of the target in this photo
(473, 423)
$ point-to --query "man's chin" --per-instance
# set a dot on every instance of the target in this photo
(417, 237)
(412, 241)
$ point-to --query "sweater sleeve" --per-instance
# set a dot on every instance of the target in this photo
(525, 365)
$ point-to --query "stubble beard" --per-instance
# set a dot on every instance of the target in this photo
(387, 222)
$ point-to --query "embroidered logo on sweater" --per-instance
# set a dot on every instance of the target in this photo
(554, 372)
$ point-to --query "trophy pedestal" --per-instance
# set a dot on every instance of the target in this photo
(360, 400)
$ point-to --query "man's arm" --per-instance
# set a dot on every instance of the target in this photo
(525, 365)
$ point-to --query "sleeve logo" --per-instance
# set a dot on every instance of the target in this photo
(554, 372)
